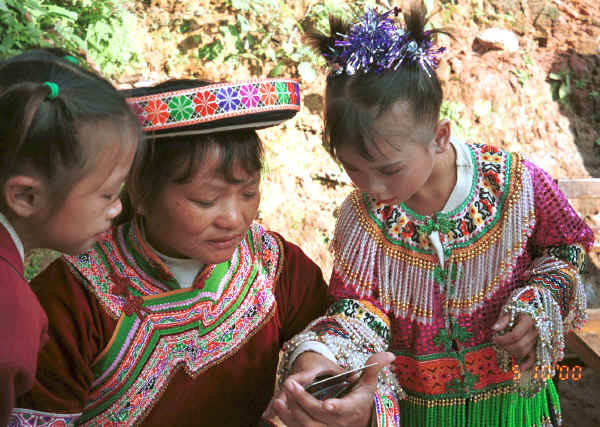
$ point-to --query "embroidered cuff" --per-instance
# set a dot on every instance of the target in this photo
(28, 417)
(349, 340)
(561, 279)
(386, 411)
(541, 306)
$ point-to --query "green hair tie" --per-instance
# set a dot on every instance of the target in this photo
(71, 59)
(53, 89)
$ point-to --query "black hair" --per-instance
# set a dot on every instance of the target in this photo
(40, 134)
(354, 102)
(178, 158)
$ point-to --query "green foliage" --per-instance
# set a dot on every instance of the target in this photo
(37, 260)
(581, 83)
(454, 111)
(561, 85)
(102, 28)
(279, 42)
(527, 60)
(522, 75)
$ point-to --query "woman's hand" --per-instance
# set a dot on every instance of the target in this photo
(521, 341)
(297, 408)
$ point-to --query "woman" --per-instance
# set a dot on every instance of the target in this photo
(177, 315)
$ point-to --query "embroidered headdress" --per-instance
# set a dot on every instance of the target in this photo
(376, 43)
(199, 107)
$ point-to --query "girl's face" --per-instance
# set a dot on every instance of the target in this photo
(403, 156)
(93, 202)
(205, 218)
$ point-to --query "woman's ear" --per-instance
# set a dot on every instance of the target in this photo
(442, 135)
(25, 195)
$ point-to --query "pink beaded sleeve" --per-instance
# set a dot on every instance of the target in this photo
(557, 223)
(560, 241)
(553, 293)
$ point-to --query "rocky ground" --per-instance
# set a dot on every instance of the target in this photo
(540, 97)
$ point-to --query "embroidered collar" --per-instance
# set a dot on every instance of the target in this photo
(483, 180)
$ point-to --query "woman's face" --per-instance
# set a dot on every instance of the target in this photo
(205, 218)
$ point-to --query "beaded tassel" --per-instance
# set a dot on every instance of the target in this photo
(502, 407)
(405, 283)
(545, 311)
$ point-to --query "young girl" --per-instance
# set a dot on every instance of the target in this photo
(67, 141)
(461, 259)
(176, 317)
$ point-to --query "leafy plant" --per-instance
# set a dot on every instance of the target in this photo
(561, 85)
(280, 40)
(28, 23)
(101, 28)
(581, 83)
(454, 111)
(527, 60)
(522, 75)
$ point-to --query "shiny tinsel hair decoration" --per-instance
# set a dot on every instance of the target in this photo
(375, 43)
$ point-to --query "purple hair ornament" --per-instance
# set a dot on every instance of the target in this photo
(375, 43)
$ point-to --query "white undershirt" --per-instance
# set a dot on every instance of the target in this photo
(184, 270)
(13, 234)
(464, 179)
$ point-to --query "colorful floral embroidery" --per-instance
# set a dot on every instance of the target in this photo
(294, 92)
(462, 226)
(381, 248)
(181, 107)
(207, 103)
(228, 99)
(156, 112)
(249, 96)
(268, 94)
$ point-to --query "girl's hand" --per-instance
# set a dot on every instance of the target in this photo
(296, 407)
(520, 341)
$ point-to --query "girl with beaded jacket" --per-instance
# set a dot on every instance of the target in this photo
(463, 260)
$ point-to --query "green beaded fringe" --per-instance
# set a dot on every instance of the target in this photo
(502, 407)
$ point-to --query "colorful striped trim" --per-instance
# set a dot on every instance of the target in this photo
(386, 411)
(206, 104)
(30, 418)
(192, 329)
(364, 312)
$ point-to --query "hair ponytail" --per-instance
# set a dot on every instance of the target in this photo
(322, 43)
(44, 99)
(378, 64)
(18, 106)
